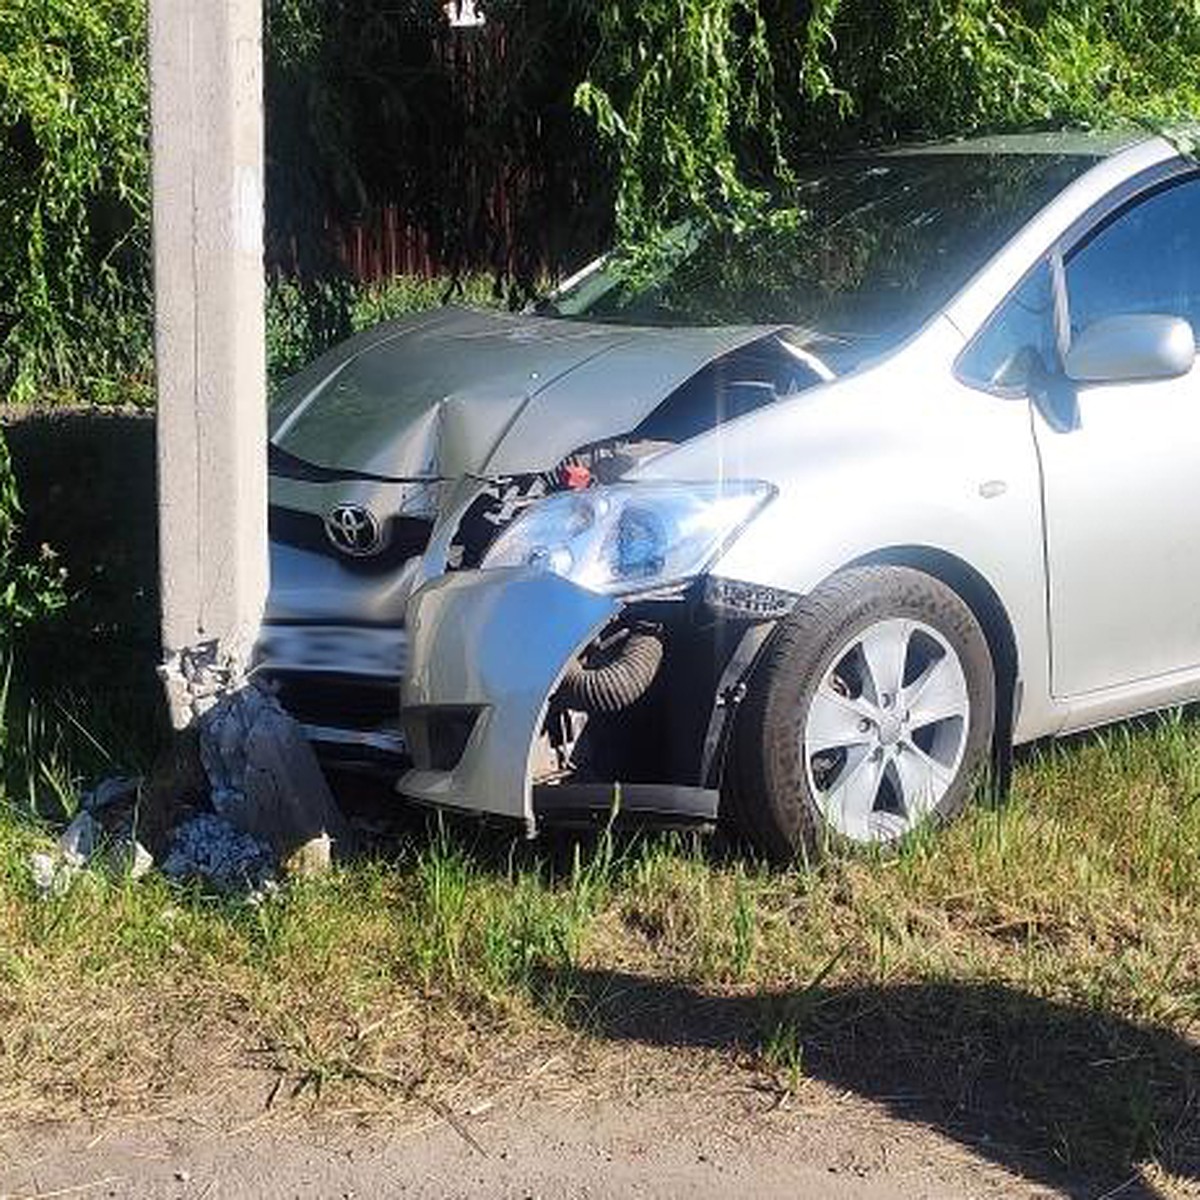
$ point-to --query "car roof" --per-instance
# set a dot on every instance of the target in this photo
(1084, 143)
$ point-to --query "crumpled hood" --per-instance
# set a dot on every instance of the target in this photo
(457, 392)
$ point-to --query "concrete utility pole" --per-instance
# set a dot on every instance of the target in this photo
(209, 348)
(207, 143)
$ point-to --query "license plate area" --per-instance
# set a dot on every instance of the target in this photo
(377, 653)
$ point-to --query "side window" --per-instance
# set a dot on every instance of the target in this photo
(1018, 341)
(1145, 259)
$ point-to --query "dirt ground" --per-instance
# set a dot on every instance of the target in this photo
(716, 1144)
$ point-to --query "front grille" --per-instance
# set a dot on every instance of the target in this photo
(339, 705)
(407, 537)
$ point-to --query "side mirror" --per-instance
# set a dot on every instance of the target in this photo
(1135, 346)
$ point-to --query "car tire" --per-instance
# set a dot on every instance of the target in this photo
(869, 714)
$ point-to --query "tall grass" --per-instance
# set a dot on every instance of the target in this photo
(457, 961)
(53, 744)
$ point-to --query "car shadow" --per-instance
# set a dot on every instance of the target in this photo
(1064, 1095)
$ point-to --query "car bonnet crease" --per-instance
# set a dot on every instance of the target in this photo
(465, 392)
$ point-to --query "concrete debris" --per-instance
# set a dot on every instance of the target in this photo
(131, 858)
(271, 804)
(78, 843)
(175, 789)
(313, 858)
(208, 847)
(88, 841)
(265, 778)
(224, 744)
(47, 877)
(197, 678)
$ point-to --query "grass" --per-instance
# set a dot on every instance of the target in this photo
(1063, 923)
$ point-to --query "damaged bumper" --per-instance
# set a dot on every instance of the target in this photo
(334, 648)
(487, 651)
(531, 698)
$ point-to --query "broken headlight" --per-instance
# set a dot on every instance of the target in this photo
(630, 537)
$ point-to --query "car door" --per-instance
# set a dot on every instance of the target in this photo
(1121, 480)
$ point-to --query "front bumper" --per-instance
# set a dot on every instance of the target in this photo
(493, 646)
(342, 684)
(333, 646)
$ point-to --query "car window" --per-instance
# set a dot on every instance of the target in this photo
(874, 247)
(1145, 259)
(1018, 340)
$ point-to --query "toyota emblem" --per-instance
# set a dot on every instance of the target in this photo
(354, 530)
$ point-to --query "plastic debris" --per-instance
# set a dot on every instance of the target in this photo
(118, 790)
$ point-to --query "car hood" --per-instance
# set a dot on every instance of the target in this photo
(457, 392)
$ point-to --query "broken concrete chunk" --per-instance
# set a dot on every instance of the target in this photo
(45, 872)
(81, 844)
(196, 678)
(266, 780)
(129, 857)
(52, 874)
(313, 858)
(246, 758)
(286, 789)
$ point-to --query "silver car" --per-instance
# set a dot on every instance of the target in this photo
(801, 528)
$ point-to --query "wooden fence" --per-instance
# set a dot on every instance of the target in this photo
(485, 221)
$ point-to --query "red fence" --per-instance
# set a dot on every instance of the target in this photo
(387, 242)
(386, 246)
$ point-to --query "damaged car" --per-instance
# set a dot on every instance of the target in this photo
(799, 527)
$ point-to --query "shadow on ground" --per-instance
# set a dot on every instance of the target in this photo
(88, 491)
(1056, 1093)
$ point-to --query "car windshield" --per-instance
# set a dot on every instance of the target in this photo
(881, 243)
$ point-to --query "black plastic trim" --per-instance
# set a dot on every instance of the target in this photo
(285, 465)
(594, 803)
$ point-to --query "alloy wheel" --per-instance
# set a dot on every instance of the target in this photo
(886, 730)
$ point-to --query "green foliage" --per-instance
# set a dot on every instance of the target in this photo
(957, 66)
(705, 103)
(303, 320)
(28, 590)
(367, 102)
(74, 244)
(686, 92)
(700, 106)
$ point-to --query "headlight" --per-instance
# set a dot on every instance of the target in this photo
(629, 537)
